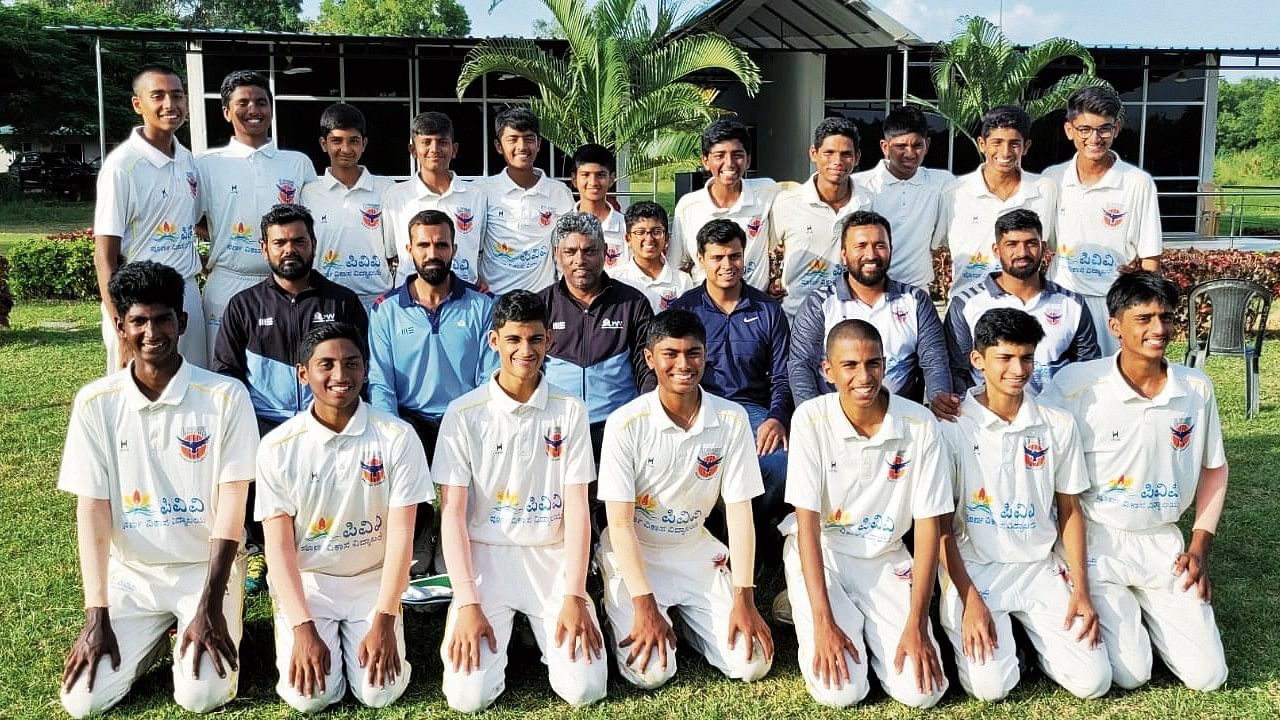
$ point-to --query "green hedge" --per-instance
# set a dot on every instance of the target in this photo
(59, 267)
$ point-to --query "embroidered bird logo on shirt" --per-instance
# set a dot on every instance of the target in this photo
(372, 471)
(1033, 453)
(193, 445)
(1180, 435)
(708, 465)
(897, 467)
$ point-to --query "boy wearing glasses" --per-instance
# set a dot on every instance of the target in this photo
(1107, 208)
(647, 269)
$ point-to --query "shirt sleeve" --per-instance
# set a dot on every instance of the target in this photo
(931, 346)
(580, 468)
(804, 360)
(948, 433)
(308, 168)
(86, 466)
(1071, 475)
(410, 476)
(1214, 455)
(272, 496)
(111, 211)
(452, 462)
(740, 478)
(1084, 344)
(382, 371)
(1049, 187)
(641, 316)
(1150, 240)
(959, 345)
(933, 488)
(941, 217)
(677, 253)
(617, 462)
(805, 472)
(230, 345)
(780, 402)
(239, 438)
(489, 360)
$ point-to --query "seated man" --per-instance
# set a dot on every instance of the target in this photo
(335, 591)
(647, 270)
(514, 466)
(1143, 482)
(669, 456)
(1014, 462)
(1020, 283)
(865, 467)
(159, 455)
(904, 316)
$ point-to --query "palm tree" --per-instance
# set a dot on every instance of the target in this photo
(623, 83)
(981, 69)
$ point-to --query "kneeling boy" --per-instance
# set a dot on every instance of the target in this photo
(864, 466)
(668, 457)
(513, 462)
(339, 486)
(1015, 460)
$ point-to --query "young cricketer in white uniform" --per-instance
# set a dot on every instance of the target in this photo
(595, 169)
(435, 187)
(806, 220)
(523, 205)
(646, 268)
(728, 194)
(160, 457)
(513, 461)
(338, 489)
(1108, 212)
(147, 204)
(668, 457)
(1014, 462)
(347, 204)
(1152, 444)
(238, 185)
(864, 467)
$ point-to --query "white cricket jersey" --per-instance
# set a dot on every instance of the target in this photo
(751, 212)
(866, 490)
(1005, 475)
(238, 185)
(616, 252)
(970, 210)
(1102, 227)
(661, 290)
(159, 463)
(515, 459)
(351, 249)
(465, 202)
(675, 476)
(340, 486)
(1144, 456)
(914, 208)
(516, 254)
(150, 201)
(809, 231)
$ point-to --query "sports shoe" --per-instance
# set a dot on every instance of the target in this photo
(782, 609)
(255, 574)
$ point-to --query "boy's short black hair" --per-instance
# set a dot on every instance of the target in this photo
(1009, 325)
(904, 120)
(342, 116)
(144, 282)
(721, 231)
(520, 306)
(431, 217)
(431, 123)
(1006, 116)
(1019, 219)
(1138, 288)
(593, 154)
(725, 130)
(152, 69)
(861, 218)
(836, 126)
(242, 78)
(331, 331)
(646, 210)
(675, 323)
(1097, 100)
(520, 119)
(285, 214)
(853, 329)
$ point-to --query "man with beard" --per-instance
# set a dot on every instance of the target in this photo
(1069, 333)
(264, 325)
(915, 348)
(428, 345)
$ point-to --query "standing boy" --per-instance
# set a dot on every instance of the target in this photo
(647, 269)
(1152, 444)
(1108, 211)
(594, 171)
(346, 202)
(865, 467)
(1014, 463)
(159, 457)
(513, 464)
(338, 489)
(669, 456)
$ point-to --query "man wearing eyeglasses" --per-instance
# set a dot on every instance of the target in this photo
(1107, 210)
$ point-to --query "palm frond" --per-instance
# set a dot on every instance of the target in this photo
(522, 58)
(1055, 96)
(688, 55)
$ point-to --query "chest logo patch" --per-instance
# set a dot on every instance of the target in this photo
(1180, 433)
(371, 216)
(709, 464)
(372, 471)
(1034, 452)
(554, 443)
(463, 220)
(1113, 216)
(897, 466)
(286, 190)
(193, 444)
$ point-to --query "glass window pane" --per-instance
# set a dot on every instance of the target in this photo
(438, 70)
(387, 152)
(1126, 142)
(1123, 70)
(868, 116)
(1177, 214)
(1176, 83)
(221, 58)
(217, 130)
(468, 129)
(1173, 140)
(507, 86)
(298, 125)
(857, 75)
(376, 76)
(1049, 144)
(300, 74)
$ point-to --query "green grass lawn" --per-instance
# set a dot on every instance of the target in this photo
(54, 348)
(35, 216)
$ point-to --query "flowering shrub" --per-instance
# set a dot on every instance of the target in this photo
(59, 266)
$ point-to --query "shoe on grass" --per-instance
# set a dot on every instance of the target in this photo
(255, 574)
(782, 609)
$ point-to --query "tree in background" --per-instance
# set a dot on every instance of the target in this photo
(979, 69)
(279, 15)
(625, 82)
(435, 18)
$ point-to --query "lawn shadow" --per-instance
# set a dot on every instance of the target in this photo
(50, 335)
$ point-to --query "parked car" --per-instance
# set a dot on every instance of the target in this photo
(55, 173)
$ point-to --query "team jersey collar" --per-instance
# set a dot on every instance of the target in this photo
(239, 149)
(171, 395)
(748, 298)
(892, 289)
(745, 197)
(1028, 414)
(457, 288)
(316, 282)
(151, 152)
(888, 178)
(355, 426)
(665, 275)
(993, 288)
(510, 405)
(809, 191)
(331, 183)
(662, 422)
(456, 185)
(890, 427)
(1173, 385)
(509, 186)
(1027, 188)
(1111, 179)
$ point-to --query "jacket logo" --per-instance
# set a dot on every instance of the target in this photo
(608, 324)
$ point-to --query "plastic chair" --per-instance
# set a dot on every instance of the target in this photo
(1237, 320)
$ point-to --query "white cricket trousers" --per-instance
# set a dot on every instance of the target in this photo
(144, 600)
(192, 344)
(870, 599)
